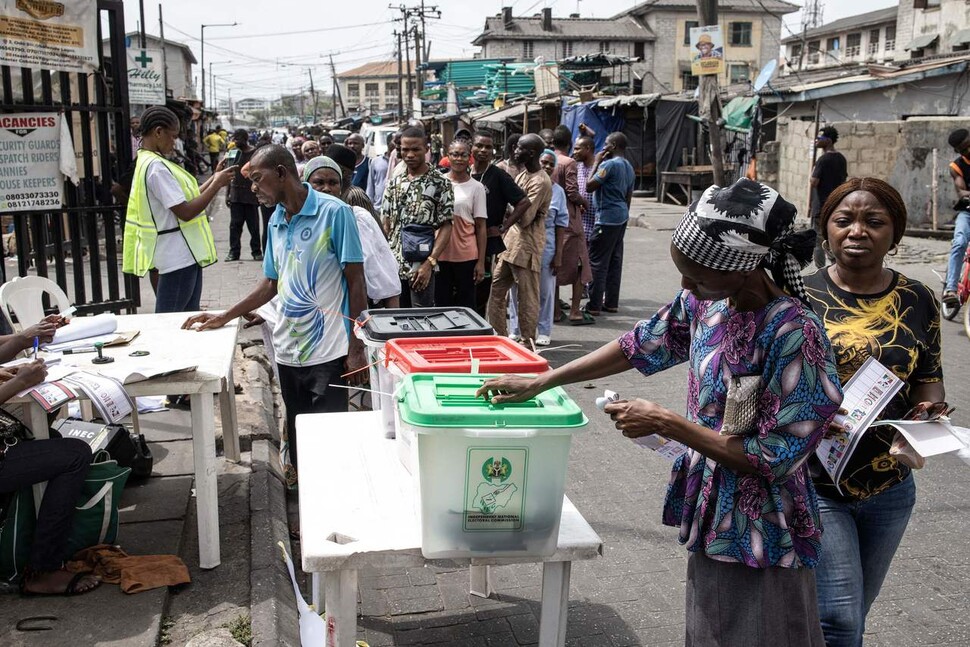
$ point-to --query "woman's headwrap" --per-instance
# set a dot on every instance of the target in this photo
(319, 162)
(746, 226)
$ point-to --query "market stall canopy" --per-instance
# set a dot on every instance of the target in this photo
(510, 112)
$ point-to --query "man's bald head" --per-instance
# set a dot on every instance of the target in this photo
(271, 157)
(527, 151)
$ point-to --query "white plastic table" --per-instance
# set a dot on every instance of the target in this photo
(358, 508)
(212, 351)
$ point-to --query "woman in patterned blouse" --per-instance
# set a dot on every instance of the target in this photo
(869, 311)
(743, 503)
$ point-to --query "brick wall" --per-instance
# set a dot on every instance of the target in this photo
(899, 152)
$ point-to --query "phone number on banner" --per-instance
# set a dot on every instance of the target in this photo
(30, 200)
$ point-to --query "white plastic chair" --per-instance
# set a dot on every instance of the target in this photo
(23, 297)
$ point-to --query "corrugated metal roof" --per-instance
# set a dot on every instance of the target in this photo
(564, 29)
(376, 68)
(858, 21)
(876, 77)
(759, 6)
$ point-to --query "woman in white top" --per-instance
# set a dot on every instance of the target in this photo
(380, 268)
(462, 264)
(180, 276)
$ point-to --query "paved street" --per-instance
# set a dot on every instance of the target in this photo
(633, 595)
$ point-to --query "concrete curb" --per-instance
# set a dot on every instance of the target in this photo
(272, 602)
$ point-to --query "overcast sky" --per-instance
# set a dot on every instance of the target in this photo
(278, 43)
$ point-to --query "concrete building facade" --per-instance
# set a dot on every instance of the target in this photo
(373, 86)
(751, 33)
(864, 38)
(931, 27)
(657, 33)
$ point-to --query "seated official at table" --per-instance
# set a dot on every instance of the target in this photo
(62, 462)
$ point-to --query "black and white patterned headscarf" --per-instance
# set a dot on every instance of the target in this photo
(746, 226)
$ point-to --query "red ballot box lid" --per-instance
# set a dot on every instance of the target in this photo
(455, 355)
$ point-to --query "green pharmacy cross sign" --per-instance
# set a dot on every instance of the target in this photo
(144, 59)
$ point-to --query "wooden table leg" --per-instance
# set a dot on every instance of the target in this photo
(340, 591)
(206, 484)
(555, 602)
(230, 426)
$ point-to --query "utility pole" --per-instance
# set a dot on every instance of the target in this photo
(141, 11)
(419, 86)
(336, 88)
(313, 93)
(421, 49)
(161, 36)
(709, 101)
(400, 80)
(407, 60)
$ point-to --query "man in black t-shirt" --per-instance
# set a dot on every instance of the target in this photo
(830, 171)
(501, 192)
(243, 205)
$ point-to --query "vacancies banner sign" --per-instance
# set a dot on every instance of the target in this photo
(30, 155)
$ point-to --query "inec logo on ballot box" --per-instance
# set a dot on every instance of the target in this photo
(495, 468)
(495, 488)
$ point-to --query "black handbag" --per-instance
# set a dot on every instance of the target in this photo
(12, 431)
(417, 241)
(128, 449)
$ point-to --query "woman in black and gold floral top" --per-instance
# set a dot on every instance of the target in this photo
(869, 310)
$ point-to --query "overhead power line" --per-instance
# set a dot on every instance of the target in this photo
(303, 31)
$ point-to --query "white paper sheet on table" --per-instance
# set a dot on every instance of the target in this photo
(86, 327)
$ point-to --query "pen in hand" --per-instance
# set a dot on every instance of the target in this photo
(36, 346)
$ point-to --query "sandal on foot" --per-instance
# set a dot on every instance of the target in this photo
(70, 590)
(585, 320)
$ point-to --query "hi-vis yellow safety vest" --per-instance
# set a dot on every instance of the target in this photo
(141, 232)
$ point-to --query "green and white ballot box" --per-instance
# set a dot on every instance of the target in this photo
(491, 477)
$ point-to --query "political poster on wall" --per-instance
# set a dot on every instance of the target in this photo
(708, 47)
(51, 35)
(146, 80)
(30, 156)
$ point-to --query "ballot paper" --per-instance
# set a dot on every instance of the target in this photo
(67, 383)
(669, 449)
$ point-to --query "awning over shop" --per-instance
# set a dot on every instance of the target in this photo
(511, 112)
(922, 42)
(962, 37)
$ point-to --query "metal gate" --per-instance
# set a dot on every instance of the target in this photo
(81, 242)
